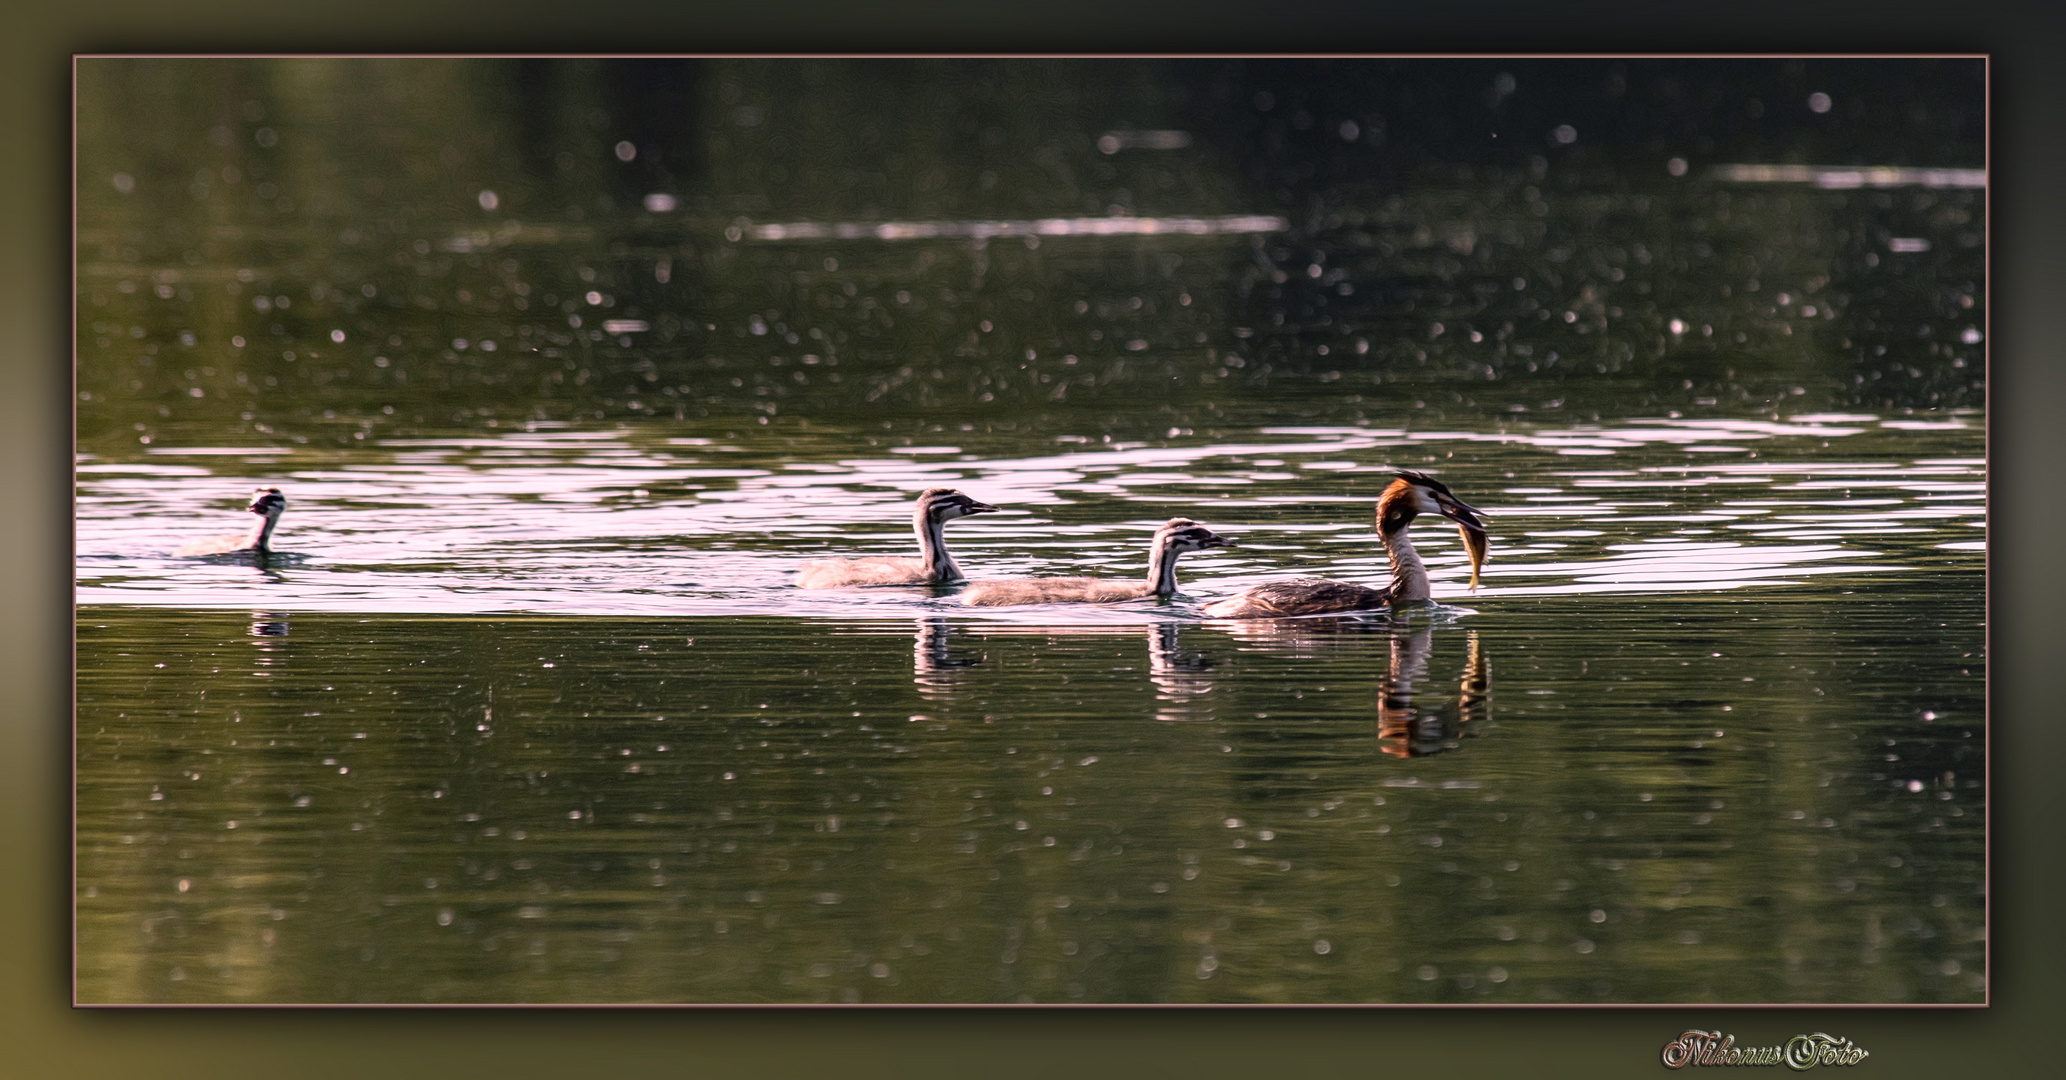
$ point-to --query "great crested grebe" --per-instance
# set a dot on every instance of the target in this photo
(267, 503)
(1172, 539)
(936, 507)
(1406, 498)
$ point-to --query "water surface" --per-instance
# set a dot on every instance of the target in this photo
(525, 708)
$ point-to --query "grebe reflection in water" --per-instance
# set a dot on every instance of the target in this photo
(934, 668)
(1412, 720)
(269, 624)
(1177, 675)
(1407, 729)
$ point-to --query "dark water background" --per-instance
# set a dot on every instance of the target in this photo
(527, 710)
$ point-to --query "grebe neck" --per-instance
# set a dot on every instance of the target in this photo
(261, 535)
(1162, 570)
(1409, 575)
(932, 547)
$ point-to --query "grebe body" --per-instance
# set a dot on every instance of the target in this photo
(1406, 498)
(268, 504)
(934, 566)
(1172, 539)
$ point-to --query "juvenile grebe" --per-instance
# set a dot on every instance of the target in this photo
(1406, 498)
(267, 503)
(1173, 539)
(936, 507)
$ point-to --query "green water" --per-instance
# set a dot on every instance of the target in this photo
(1711, 806)
(526, 708)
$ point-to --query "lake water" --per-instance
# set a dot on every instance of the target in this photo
(524, 708)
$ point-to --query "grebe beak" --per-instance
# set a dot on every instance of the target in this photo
(1455, 509)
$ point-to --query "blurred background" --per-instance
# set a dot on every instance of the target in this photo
(403, 200)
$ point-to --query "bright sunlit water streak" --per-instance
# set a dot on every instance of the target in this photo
(607, 522)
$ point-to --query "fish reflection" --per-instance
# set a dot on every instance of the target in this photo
(1409, 729)
(1177, 675)
(934, 667)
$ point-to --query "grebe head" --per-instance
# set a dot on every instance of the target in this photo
(945, 504)
(1414, 494)
(267, 502)
(1183, 534)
